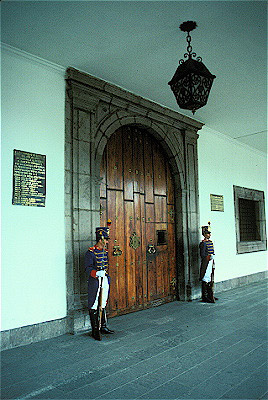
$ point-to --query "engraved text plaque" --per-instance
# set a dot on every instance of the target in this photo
(29, 179)
(216, 202)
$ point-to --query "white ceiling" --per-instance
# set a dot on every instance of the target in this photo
(137, 45)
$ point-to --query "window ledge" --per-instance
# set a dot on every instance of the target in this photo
(250, 247)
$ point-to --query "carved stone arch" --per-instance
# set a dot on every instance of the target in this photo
(94, 111)
(110, 125)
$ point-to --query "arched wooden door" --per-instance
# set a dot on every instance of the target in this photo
(137, 194)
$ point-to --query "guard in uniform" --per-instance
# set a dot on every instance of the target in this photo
(207, 265)
(96, 265)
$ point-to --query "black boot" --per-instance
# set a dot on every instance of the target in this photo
(211, 298)
(104, 328)
(204, 292)
(93, 314)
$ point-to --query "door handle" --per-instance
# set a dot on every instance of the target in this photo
(151, 249)
(117, 251)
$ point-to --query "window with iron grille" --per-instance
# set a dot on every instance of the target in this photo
(250, 220)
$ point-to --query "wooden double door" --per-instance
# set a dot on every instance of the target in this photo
(137, 194)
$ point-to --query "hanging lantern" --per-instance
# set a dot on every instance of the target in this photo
(192, 80)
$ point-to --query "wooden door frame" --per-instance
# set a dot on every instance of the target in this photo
(95, 109)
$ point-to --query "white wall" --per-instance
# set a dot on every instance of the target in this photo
(223, 163)
(33, 242)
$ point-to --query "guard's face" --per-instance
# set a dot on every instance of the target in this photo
(207, 235)
(105, 242)
(102, 243)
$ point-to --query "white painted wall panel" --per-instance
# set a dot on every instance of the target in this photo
(33, 249)
(223, 163)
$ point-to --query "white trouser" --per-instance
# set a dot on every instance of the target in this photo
(207, 276)
(105, 291)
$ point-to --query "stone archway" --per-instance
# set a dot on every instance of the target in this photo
(94, 111)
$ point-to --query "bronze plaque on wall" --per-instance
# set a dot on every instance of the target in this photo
(216, 202)
(29, 179)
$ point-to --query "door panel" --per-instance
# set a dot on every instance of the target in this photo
(149, 212)
(130, 259)
(159, 168)
(138, 163)
(148, 169)
(117, 267)
(160, 203)
(141, 285)
(128, 166)
(103, 176)
(170, 188)
(137, 194)
(114, 162)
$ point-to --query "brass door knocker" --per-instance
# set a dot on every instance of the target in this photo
(135, 241)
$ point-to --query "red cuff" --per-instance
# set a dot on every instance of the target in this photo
(93, 273)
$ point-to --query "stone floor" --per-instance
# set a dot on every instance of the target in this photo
(175, 351)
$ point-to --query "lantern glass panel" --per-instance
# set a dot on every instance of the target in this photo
(192, 91)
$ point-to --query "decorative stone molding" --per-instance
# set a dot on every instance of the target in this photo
(33, 58)
(95, 109)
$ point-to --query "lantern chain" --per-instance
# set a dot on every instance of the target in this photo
(189, 49)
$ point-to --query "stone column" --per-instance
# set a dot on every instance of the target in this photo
(191, 215)
(82, 198)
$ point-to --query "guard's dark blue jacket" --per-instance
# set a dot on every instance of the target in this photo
(206, 248)
(95, 260)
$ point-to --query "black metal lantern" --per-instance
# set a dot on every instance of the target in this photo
(192, 80)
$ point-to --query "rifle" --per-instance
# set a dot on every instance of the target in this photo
(100, 305)
(212, 280)
(99, 309)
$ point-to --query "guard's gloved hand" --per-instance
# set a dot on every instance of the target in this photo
(100, 274)
(212, 256)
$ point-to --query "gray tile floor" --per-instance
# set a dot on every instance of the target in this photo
(174, 351)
